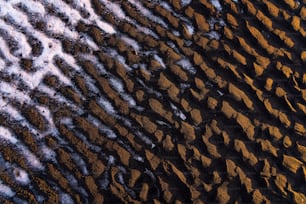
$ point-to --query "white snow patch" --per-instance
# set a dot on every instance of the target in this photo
(47, 114)
(213, 35)
(108, 28)
(21, 176)
(24, 49)
(31, 158)
(7, 135)
(138, 158)
(216, 4)
(114, 8)
(6, 52)
(103, 128)
(160, 60)
(13, 112)
(185, 2)
(80, 162)
(56, 25)
(11, 91)
(111, 160)
(145, 12)
(147, 31)
(131, 42)
(65, 198)
(129, 99)
(116, 84)
(186, 65)
(33, 6)
(178, 112)
(7, 191)
(106, 105)
(190, 29)
(105, 26)
(7, 9)
(48, 153)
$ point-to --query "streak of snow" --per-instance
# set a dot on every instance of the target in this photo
(31, 158)
(147, 13)
(7, 135)
(131, 42)
(56, 25)
(24, 49)
(33, 6)
(106, 105)
(185, 2)
(186, 65)
(190, 29)
(213, 35)
(65, 198)
(48, 153)
(114, 8)
(108, 28)
(216, 4)
(7, 191)
(6, 52)
(160, 60)
(11, 91)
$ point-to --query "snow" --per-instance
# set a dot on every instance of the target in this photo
(21, 176)
(216, 4)
(11, 91)
(129, 99)
(160, 60)
(106, 105)
(190, 29)
(33, 6)
(7, 191)
(6, 52)
(108, 28)
(178, 112)
(65, 198)
(56, 25)
(186, 65)
(147, 31)
(145, 12)
(13, 112)
(47, 115)
(103, 128)
(220, 92)
(185, 2)
(2, 62)
(7, 135)
(116, 84)
(48, 153)
(131, 42)
(31, 158)
(105, 26)
(80, 162)
(114, 8)
(7, 9)
(213, 35)
(24, 49)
